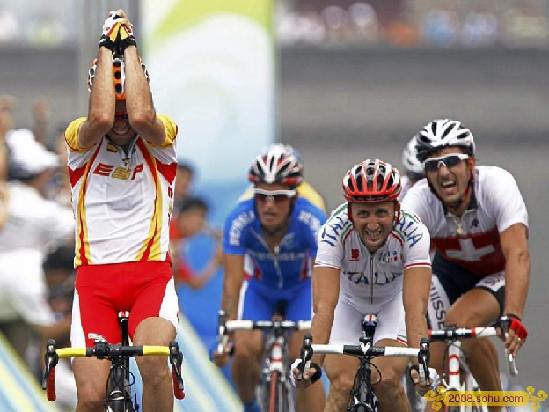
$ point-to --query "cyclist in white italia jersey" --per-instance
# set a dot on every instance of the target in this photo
(373, 257)
(479, 229)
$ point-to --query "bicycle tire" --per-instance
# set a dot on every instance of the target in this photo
(274, 399)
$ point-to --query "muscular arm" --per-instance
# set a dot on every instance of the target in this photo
(514, 244)
(139, 103)
(232, 281)
(415, 296)
(101, 106)
(325, 297)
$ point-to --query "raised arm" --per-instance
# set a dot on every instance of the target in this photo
(325, 297)
(101, 105)
(139, 103)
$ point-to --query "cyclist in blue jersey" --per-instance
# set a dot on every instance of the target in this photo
(269, 245)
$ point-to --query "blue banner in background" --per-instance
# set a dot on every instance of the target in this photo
(212, 70)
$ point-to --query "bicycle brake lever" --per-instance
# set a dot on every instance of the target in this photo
(306, 353)
(51, 358)
(511, 359)
(176, 360)
(423, 357)
(504, 324)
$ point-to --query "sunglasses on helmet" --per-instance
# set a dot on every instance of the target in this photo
(276, 196)
(434, 163)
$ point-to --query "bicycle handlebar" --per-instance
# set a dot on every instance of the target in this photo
(233, 325)
(113, 351)
(225, 327)
(450, 333)
(364, 350)
(453, 333)
(104, 350)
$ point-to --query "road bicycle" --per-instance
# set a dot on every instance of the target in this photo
(459, 377)
(120, 380)
(275, 391)
(362, 398)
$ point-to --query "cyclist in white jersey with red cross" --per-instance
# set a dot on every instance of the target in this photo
(122, 166)
(373, 257)
(479, 229)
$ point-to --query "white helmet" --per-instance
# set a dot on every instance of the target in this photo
(409, 158)
(442, 133)
(277, 163)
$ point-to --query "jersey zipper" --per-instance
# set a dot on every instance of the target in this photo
(371, 280)
(276, 264)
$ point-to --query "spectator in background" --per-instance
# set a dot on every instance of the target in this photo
(59, 273)
(59, 188)
(6, 124)
(41, 117)
(190, 220)
(32, 224)
(183, 182)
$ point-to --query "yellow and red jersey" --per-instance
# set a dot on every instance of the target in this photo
(122, 199)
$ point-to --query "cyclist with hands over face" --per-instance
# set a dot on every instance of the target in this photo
(373, 257)
(478, 224)
(122, 165)
(269, 243)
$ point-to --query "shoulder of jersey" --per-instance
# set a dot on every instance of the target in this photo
(307, 205)
(243, 209)
(493, 174)
(409, 216)
(307, 191)
(339, 222)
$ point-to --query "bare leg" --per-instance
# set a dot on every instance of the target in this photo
(341, 372)
(312, 398)
(478, 307)
(91, 377)
(389, 390)
(248, 350)
(157, 379)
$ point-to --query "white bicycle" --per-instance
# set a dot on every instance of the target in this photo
(459, 377)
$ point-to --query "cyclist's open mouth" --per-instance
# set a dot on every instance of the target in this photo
(448, 187)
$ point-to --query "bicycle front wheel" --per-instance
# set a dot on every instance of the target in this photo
(274, 393)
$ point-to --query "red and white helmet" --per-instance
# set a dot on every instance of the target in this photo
(372, 180)
(278, 163)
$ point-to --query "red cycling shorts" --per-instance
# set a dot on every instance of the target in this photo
(145, 289)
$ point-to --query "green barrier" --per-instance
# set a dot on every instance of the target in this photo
(205, 386)
(19, 391)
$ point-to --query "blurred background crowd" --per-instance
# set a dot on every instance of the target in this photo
(470, 23)
(332, 104)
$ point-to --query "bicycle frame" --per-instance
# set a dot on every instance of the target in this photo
(118, 396)
(363, 398)
(275, 380)
(457, 363)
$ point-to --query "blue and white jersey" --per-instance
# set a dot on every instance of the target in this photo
(368, 281)
(291, 262)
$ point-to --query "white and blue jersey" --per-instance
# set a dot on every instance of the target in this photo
(280, 275)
